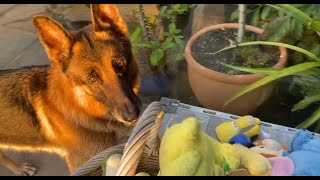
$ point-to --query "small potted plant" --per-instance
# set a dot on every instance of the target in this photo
(306, 74)
(158, 44)
(283, 27)
(212, 83)
(287, 28)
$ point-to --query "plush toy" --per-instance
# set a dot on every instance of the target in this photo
(111, 165)
(304, 140)
(265, 151)
(271, 144)
(269, 148)
(281, 166)
(247, 125)
(305, 154)
(306, 163)
(241, 139)
(255, 163)
(186, 150)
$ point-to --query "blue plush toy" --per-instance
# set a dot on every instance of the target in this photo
(305, 154)
(241, 139)
(304, 140)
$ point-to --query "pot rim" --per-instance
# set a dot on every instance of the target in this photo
(223, 77)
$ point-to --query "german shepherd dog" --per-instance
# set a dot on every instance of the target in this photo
(82, 103)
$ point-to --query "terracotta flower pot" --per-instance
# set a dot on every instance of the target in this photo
(213, 89)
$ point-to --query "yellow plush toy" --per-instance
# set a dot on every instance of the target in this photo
(186, 150)
(255, 163)
(247, 125)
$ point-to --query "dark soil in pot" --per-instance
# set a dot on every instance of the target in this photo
(213, 41)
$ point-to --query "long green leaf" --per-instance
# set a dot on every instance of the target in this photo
(296, 28)
(298, 14)
(308, 53)
(270, 71)
(265, 12)
(311, 72)
(278, 28)
(311, 120)
(310, 22)
(291, 10)
(282, 73)
(265, 71)
(306, 102)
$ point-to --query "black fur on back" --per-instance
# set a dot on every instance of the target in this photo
(18, 86)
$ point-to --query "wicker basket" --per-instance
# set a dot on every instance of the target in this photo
(140, 153)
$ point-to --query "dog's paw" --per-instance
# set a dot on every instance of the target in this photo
(25, 169)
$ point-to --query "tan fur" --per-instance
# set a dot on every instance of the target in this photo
(80, 105)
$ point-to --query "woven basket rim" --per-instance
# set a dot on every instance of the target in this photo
(142, 147)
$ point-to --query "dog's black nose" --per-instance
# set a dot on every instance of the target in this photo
(132, 113)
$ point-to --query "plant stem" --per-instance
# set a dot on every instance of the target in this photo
(144, 23)
(242, 22)
(158, 28)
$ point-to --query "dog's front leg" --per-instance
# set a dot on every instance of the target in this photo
(21, 169)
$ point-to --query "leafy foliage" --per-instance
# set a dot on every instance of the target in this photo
(163, 45)
(283, 25)
(306, 74)
(297, 25)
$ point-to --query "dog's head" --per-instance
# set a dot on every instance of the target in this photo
(97, 61)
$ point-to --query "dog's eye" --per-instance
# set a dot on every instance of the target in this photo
(119, 64)
(92, 77)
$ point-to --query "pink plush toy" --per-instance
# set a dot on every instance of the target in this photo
(281, 166)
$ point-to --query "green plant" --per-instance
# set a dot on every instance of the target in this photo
(161, 45)
(307, 74)
(282, 24)
(251, 56)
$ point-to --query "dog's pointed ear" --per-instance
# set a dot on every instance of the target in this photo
(106, 16)
(56, 40)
